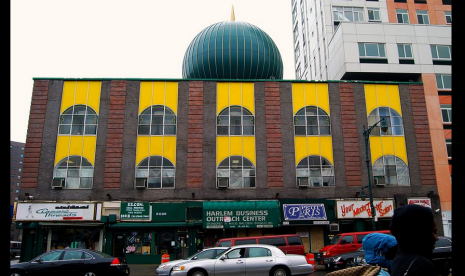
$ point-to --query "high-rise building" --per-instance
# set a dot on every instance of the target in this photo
(385, 40)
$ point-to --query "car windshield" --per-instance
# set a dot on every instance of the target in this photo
(335, 239)
(220, 254)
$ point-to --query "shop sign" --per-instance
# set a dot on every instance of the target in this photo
(55, 211)
(253, 214)
(135, 211)
(304, 212)
(162, 212)
(425, 202)
(362, 209)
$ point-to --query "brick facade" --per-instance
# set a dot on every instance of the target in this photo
(195, 135)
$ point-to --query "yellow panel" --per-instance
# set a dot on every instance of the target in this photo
(82, 88)
(222, 98)
(235, 93)
(145, 98)
(62, 148)
(67, 100)
(314, 145)
(310, 94)
(94, 95)
(394, 98)
(249, 148)
(379, 147)
(222, 148)
(370, 97)
(381, 92)
(248, 98)
(75, 146)
(142, 150)
(297, 96)
(323, 96)
(400, 148)
(158, 93)
(89, 148)
(301, 150)
(327, 148)
(156, 145)
(172, 96)
(169, 148)
(235, 145)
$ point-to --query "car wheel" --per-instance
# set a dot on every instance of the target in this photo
(90, 273)
(349, 263)
(198, 273)
(15, 273)
(280, 271)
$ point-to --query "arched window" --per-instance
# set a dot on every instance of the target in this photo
(392, 169)
(236, 172)
(315, 171)
(157, 120)
(158, 170)
(312, 120)
(391, 117)
(77, 171)
(78, 120)
(235, 120)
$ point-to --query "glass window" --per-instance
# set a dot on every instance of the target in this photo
(371, 50)
(235, 121)
(448, 15)
(347, 239)
(72, 255)
(138, 242)
(157, 120)
(405, 51)
(158, 170)
(446, 110)
(312, 120)
(239, 242)
(273, 241)
(393, 169)
(316, 171)
(239, 172)
(392, 119)
(78, 120)
(449, 147)
(444, 81)
(347, 14)
(423, 17)
(294, 241)
(373, 15)
(441, 52)
(51, 256)
(402, 16)
(77, 171)
(255, 252)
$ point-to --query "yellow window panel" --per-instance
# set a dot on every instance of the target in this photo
(322, 96)
(235, 94)
(222, 148)
(169, 148)
(158, 93)
(156, 145)
(297, 97)
(145, 96)
(310, 94)
(62, 148)
(248, 99)
(94, 95)
(394, 98)
(222, 98)
(249, 148)
(67, 100)
(326, 148)
(142, 149)
(172, 96)
(301, 150)
(235, 145)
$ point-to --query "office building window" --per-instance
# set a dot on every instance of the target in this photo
(373, 15)
(235, 120)
(391, 169)
(78, 120)
(442, 54)
(315, 171)
(449, 147)
(446, 110)
(372, 52)
(444, 81)
(448, 15)
(158, 171)
(402, 16)
(405, 53)
(423, 17)
(236, 172)
(312, 120)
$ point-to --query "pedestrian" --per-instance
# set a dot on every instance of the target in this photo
(178, 250)
(415, 230)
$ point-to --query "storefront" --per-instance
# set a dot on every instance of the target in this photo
(355, 215)
(48, 226)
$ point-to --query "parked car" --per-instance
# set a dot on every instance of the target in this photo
(342, 243)
(289, 244)
(249, 259)
(345, 260)
(165, 268)
(15, 248)
(70, 262)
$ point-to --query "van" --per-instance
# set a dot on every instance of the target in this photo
(289, 244)
(15, 248)
(342, 243)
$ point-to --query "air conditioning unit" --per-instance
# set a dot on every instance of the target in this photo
(302, 182)
(334, 227)
(58, 183)
(380, 181)
(223, 182)
(140, 183)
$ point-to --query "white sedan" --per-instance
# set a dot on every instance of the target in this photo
(250, 259)
(165, 268)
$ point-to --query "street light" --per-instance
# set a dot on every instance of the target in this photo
(366, 134)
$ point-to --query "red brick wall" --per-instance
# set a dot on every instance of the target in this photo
(114, 145)
(350, 135)
(274, 149)
(195, 135)
(422, 133)
(35, 130)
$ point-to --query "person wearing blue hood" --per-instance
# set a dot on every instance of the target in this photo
(415, 230)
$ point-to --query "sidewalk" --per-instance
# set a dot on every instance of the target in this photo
(142, 269)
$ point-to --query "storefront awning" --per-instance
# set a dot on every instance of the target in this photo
(241, 214)
(125, 225)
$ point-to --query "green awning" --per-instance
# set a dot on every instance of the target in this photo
(241, 214)
(134, 225)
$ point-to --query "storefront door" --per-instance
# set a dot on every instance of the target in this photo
(118, 245)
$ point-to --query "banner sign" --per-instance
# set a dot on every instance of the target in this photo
(425, 202)
(135, 211)
(55, 212)
(304, 212)
(349, 209)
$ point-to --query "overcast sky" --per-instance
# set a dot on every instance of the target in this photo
(121, 39)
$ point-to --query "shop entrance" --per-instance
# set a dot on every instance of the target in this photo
(118, 245)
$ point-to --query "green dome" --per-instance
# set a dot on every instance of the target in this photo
(232, 50)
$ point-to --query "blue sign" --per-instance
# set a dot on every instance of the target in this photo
(304, 212)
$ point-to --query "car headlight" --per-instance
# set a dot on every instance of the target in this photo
(178, 268)
(162, 266)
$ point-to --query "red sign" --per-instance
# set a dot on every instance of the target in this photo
(362, 209)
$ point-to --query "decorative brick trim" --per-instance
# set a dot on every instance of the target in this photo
(114, 145)
(350, 135)
(195, 135)
(35, 131)
(422, 134)
(274, 148)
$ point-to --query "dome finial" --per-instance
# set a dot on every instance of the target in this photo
(233, 18)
